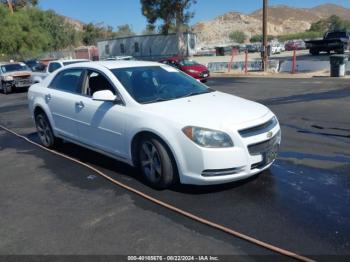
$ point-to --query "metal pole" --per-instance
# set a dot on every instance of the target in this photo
(265, 54)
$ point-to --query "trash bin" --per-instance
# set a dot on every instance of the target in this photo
(338, 63)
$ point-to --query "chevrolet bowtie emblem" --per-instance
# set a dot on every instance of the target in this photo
(269, 134)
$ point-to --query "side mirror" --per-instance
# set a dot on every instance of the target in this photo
(104, 95)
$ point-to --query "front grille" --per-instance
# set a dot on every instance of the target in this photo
(259, 148)
(259, 129)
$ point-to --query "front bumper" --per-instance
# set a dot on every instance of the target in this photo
(23, 83)
(205, 75)
(250, 155)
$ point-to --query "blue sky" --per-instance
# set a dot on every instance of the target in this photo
(118, 12)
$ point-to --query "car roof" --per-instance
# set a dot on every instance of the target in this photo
(114, 64)
(70, 60)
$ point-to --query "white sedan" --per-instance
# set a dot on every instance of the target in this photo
(158, 119)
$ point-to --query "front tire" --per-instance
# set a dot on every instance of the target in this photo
(6, 89)
(45, 132)
(314, 52)
(155, 163)
(341, 50)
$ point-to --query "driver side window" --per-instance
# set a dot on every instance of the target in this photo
(96, 81)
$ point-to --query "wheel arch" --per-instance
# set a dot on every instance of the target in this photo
(37, 108)
(150, 133)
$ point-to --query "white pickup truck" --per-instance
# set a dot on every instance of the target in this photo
(37, 77)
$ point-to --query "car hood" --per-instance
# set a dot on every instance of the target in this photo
(212, 110)
(18, 73)
(199, 68)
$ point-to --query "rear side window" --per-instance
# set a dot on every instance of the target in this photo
(53, 67)
(68, 81)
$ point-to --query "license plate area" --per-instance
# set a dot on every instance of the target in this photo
(270, 155)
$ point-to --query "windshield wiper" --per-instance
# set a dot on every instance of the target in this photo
(209, 90)
(158, 99)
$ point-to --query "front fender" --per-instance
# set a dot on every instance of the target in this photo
(165, 132)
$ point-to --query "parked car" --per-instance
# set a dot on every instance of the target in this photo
(56, 64)
(338, 41)
(35, 65)
(14, 76)
(190, 67)
(53, 66)
(252, 48)
(294, 45)
(113, 58)
(158, 119)
(276, 48)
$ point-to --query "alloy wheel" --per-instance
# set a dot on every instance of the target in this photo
(150, 162)
(44, 130)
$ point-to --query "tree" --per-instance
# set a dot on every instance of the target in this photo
(174, 15)
(124, 30)
(330, 24)
(17, 4)
(149, 31)
(238, 37)
(259, 38)
(91, 34)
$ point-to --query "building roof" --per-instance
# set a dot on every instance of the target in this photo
(138, 36)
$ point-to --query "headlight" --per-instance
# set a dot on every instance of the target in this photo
(192, 71)
(207, 137)
(8, 78)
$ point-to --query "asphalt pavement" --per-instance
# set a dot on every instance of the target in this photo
(50, 205)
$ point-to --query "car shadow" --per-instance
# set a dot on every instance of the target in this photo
(117, 169)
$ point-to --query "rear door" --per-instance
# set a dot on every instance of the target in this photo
(61, 97)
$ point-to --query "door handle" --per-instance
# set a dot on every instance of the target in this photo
(80, 104)
(48, 97)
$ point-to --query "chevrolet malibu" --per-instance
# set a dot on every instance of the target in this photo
(156, 118)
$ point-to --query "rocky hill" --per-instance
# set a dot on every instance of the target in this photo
(282, 20)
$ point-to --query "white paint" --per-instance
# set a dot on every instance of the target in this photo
(109, 128)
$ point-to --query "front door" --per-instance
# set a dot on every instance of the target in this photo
(101, 124)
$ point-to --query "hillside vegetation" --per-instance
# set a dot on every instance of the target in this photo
(284, 22)
(30, 31)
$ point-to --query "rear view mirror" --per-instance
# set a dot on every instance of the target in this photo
(104, 95)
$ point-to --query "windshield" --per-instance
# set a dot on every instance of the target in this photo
(332, 35)
(14, 67)
(186, 62)
(151, 84)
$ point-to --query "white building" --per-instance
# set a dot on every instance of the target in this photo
(147, 47)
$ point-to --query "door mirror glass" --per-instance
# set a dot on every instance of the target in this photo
(104, 95)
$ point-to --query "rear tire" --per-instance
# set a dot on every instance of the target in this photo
(155, 163)
(341, 50)
(314, 52)
(45, 132)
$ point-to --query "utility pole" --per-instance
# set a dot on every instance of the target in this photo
(9, 2)
(265, 50)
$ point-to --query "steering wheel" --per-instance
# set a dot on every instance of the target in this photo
(164, 87)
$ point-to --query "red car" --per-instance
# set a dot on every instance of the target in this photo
(190, 67)
(294, 44)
